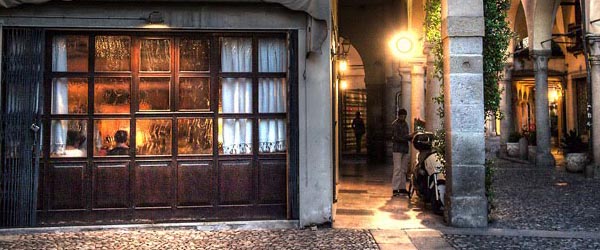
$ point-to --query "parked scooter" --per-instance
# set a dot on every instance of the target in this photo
(427, 179)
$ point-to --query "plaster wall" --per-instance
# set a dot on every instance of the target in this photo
(314, 69)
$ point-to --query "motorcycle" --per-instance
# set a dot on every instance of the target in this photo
(426, 177)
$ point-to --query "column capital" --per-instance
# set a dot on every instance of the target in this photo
(594, 57)
(540, 60)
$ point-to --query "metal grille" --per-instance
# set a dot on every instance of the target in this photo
(22, 76)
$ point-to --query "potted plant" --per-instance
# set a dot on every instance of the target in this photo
(512, 146)
(575, 152)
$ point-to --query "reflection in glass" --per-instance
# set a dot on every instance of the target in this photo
(194, 93)
(235, 136)
(112, 95)
(68, 138)
(272, 55)
(154, 93)
(70, 54)
(236, 54)
(153, 137)
(69, 95)
(111, 137)
(194, 136)
(272, 94)
(272, 135)
(155, 55)
(113, 53)
(236, 95)
(194, 55)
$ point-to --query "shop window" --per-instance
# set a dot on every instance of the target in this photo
(165, 96)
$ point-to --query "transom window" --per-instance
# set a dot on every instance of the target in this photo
(117, 95)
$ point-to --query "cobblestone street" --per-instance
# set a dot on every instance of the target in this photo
(193, 239)
(558, 209)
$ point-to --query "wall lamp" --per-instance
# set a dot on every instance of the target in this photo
(342, 51)
(402, 44)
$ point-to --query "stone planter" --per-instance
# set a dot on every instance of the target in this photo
(531, 150)
(512, 149)
(576, 161)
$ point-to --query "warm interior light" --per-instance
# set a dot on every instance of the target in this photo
(343, 65)
(552, 95)
(343, 84)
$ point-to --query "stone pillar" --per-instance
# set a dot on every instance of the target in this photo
(543, 156)
(595, 70)
(462, 33)
(506, 107)
(417, 97)
(405, 98)
(432, 91)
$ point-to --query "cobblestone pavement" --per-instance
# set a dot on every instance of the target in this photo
(541, 199)
(193, 239)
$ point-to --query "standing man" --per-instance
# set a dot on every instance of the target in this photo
(400, 137)
(359, 130)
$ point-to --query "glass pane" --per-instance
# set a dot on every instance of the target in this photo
(153, 137)
(111, 137)
(194, 136)
(68, 138)
(272, 55)
(155, 55)
(154, 93)
(70, 54)
(236, 54)
(113, 53)
(194, 55)
(69, 96)
(112, 95)
(272, 135)
(235, 136)
(236, 95)
(194, 93)
(272, 95)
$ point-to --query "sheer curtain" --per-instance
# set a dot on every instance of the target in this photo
(236, 95)
(60, 100)
(272, 93)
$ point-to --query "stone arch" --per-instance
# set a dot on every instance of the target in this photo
(540, 16)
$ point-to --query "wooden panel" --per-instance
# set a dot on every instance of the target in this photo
(153, 184)
(236, 182)
(194, 184)
(67, 186)
(272, 181)
(40, 190)
(111, 185)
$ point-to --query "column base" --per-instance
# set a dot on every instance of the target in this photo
(544, 160)
(467, 211)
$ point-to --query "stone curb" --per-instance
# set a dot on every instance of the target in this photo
(201, 226)
(520, 233)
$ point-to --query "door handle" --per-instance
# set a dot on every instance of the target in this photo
(34, 127)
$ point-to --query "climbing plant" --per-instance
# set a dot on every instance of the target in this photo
(495, 45)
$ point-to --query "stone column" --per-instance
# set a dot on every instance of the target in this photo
(543, 156)
(432, 90)
(462, 33)
(595, 70)
(405, 99)
(417, 97)
(506, 106)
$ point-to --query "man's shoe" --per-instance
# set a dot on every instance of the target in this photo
(396, 193)
(403, 191)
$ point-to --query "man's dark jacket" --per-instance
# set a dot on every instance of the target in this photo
(400, 136)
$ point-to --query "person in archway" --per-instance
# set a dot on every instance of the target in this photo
(121, 148)
(359, 130)
(400, 139)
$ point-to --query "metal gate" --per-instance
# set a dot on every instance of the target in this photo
(22, 77)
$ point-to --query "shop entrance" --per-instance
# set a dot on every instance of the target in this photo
(149, 127)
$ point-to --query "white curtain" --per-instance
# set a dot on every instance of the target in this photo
(60, 100)
(236, 95)
(272, 93)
